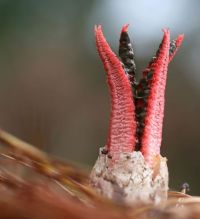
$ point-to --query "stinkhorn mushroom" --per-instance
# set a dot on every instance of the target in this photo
(129, 167)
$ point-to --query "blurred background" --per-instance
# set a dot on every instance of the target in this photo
(53, 90)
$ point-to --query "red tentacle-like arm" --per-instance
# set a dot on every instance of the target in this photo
(137, 108)
(153, 88)
(174, 46)
(121, 136)
(152, 133)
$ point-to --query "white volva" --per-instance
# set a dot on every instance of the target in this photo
(130, 179)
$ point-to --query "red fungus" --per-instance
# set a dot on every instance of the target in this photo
(136, 118)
